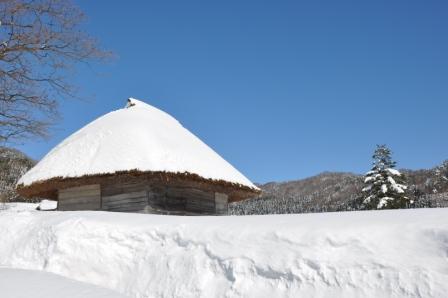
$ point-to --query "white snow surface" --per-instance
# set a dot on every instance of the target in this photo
(18, 283)
(399, 188)
(45, 205)
(138, 137)
(18, 207)
(393, 172)
(383, 202)
(392, 253)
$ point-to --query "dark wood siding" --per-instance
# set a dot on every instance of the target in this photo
(125, 197)
(121, 188)
(156, 200)
(87, 197)
(130, 202)
(194, 200)
(139, 196)
(180, 200)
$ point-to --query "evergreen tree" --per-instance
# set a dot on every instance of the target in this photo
(385, 187)
(441, 177)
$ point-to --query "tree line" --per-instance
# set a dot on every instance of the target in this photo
(382, 187)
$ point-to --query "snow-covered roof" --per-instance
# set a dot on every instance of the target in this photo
(137, 137)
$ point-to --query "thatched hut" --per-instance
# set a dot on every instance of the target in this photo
(136, 159)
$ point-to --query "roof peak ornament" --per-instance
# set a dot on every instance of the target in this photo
(130, 103)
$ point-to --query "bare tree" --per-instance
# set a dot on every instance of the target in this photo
(40, 41)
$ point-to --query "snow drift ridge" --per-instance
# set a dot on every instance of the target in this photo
(357, 254)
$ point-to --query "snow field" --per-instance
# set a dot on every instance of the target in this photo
(400, 253)
(17, 283)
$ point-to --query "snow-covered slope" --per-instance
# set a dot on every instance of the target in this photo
(17, 283)
(401, 253)
(138, 137)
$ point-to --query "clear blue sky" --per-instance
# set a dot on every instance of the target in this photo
(281, 89)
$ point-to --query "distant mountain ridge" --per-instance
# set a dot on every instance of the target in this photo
(333, 191)
(328, 191)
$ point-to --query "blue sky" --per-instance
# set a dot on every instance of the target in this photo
(281, 89)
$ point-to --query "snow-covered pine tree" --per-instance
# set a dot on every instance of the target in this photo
(385, 187)
(441, 177)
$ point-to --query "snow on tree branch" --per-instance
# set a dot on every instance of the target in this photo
(385, 187)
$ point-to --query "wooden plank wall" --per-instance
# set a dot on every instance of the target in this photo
(156, 200)
(180, 201)
(190, 200)
(87, 197)
(126, 202)
(140, 197)
(125, 197)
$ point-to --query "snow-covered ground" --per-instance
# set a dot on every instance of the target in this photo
(400, 253)
(18, 283)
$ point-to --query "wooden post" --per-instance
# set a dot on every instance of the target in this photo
(221, 203)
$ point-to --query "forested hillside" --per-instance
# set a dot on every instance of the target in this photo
(324, 192)
(339, 191)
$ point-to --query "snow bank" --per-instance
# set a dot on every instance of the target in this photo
(355, 254)
(18, 207)
(47, 205)
(138, 137)
(16, 283)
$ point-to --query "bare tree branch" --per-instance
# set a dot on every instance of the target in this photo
(40, 40)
